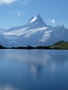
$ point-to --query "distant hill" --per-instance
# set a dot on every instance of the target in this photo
(1, 47)
(60, 45)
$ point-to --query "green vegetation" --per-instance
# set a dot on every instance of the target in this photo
(21, 47)
(60, 45)
(42, 47)
(31, 47)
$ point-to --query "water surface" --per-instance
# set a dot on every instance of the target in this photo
(33, 70)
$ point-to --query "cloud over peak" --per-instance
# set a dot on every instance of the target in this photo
(52, 21)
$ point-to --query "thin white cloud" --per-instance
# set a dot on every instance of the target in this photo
(7, 1)
(25, 2)
(52, 21)
(18, 13)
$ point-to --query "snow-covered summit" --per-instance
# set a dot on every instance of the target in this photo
(36, 20)
(33, 19)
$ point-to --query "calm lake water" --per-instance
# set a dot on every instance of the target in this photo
(33, 70)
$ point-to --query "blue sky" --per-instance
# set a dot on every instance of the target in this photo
(18, 12)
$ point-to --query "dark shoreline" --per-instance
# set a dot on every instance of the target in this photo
(61, 45)
(34, 48)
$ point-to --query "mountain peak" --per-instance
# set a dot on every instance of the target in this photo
(33, 19)
(37, 20)
(62, 26)
(37, 16)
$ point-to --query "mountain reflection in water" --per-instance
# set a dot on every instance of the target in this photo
(33, 69)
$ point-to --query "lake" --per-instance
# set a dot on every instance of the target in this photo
(33, 69)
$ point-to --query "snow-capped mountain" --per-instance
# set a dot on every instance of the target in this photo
(34, 32)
